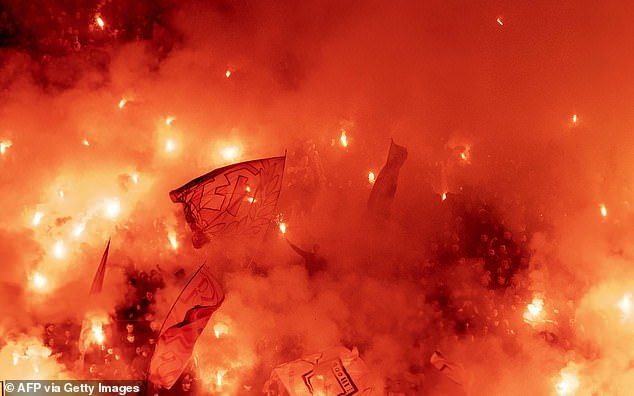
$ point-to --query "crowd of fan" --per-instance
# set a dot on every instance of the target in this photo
(53, 28)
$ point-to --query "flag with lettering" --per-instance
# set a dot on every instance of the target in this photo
(237, 199)
(97, 282)
(384, 188)
(187, 319)
(334, 372)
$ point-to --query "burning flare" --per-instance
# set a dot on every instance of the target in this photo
(499, 20)
(344, 138)
(568, 384)
(371, 177)
(172, 238)
(37, 217)
(604, 210)
(230, 153)
(220, 329)
(283, 228)
(534, 311)
(4, 145)
(625, 305)
(122, 102)
(39, 281)
(100, 22)
(59, 250)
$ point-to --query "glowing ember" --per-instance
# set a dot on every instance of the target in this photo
(230, 153)
(604, 210)
(444, 196)
(171, 236)
(228, 73)
(4, 145)
(39, 281)
(169, 120)
(170, 145)
(283, 228)
(499, 20)
(371, 178)
(220, 329)
(344, 138)
(37, 217)
(100, 22)
(122, 103)
(625, 305)
(59, 250)
(574, 118)
(568, 384)
(85, 142)
(112, 208)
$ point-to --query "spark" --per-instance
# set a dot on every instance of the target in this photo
(344, 138)
(169, 120)
(228, 73)
(112, 208)
(122, 102)
(170, 145)
(85, 142)
(220, 329)
(604, 210)
(371, 177)
(499, 20)
(625, 305)
(4, 145)
(59, 250)
(39, 281)
(100, 22)
(172, 238)
(283, 228)
(37, 217)
(230, 153)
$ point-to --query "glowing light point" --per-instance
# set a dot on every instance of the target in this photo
(61, 194)
(122, 102)
(625, 305)
(4, 145)
(169, 120)
(219, 376)
(100, 22)
(135, 178)
(344, 138)
(97, 333)
(499, 21)
(85, 142)
(228, 73)
(170, 145)
(112, 208)
(283, 228)
(37, 217)
(79, 229)
(171, 236)
(444, 196)
(220, 329)
(39, 281)
(230, 153)
(574, 119)
(568, 385)
(604, 210)
(59, 250)
(371, 178)
(251, 199)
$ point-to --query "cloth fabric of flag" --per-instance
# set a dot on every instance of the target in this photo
(187, 319)
(384, 189)
(97, 282)
(236, 199)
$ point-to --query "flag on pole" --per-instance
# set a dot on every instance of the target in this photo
(187, 319)
(97, 282)
(236, 199)
(384, 188)
(452, 370)
(334, 372)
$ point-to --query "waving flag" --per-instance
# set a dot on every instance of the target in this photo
(384, 188)
(97, 282)
(187, 319)
(452, 370)
(334, 372)
(237, 199)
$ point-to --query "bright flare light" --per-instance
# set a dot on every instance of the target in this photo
(169, 120)
(230, 153)
(625, 305)
(135, 178)
(534, 310)
(37, 217)
(100, 22)
(568, 385)
(344, 138)
(220, 329)
(170, 145)
(59, 250)
(444, 196)
(39, 281)
(122, 102)
(4, 145)
(172, 238)
(371, 177)
(79, 229)
(283, 228)
(228, 73)
(219, 376)
(574, 118)
(499, 20)
(85, 142)
(97, 333)
(604, 210)
(112, 208)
